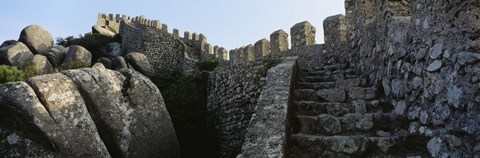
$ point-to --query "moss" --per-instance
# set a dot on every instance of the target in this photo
(11, 74)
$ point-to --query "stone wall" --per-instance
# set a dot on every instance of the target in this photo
(424, 54)
(166, 53)
(267, 132)
(233, 95)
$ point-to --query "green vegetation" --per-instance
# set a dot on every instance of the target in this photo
(10, 74)
(208, 65)
(29, 70)
(96, 43)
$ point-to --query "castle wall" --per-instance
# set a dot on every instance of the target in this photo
(271, 113)
(424, 54)
(233, 95)
(164, 52)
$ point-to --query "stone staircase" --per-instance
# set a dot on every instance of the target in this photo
(338, 114)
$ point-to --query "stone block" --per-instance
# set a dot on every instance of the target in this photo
(262, 48)
(187, 35)
(335, 30)
(303, 33)
(279, 41)
(176, 33)
(249, 51)
(164, 27)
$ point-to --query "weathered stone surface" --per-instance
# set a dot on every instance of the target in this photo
(77, 134)
(437, 148)
(115, 49)
(78, 54)
(302, 33)
(139, 62)
(106, 62)
(40, 65)
(18, 100)
(7, 43)
(36, 38)
(16, 54)
(362, 93)
(119, 63)
(131, 125)
(56, 55)
(279, 41)
(266, 134)
(249, 51)
(436, 51)
(151, 114)
(101, 30)
(434, 66)
(332, 95)
(262, 48)
(466, 58)
(336, 30)
(330, 124)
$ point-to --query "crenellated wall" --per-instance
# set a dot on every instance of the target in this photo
(235, 88)
(201, 49)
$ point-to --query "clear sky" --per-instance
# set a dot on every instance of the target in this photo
(227, 23)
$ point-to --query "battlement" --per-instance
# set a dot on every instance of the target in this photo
(302, 34)
(197, 40)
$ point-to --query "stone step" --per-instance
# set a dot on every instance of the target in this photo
(349, 124)
(322, 78)
(315, 85)
(341, 94)
(313, 108)
(342, 146)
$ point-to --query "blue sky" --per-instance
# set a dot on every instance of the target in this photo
(227, 23)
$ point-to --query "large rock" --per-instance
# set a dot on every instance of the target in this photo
(24, 123)
(7, 43)
(56, 55)
(139, 62)
(119, 63)
(77, 134)
(101, 30)
(133, 124)
(106, 62)
(37, 39)
(39, 65)
(16, 54)
(78, 54)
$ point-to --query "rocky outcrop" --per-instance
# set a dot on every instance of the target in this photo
(139, 62)
(56, 54)
(15, 54)
(39, 65)
(86, 113)
(37, 39)
(78, 54)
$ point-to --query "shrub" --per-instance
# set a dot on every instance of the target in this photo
(10, 74)
(96, 43)
(208, 65)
